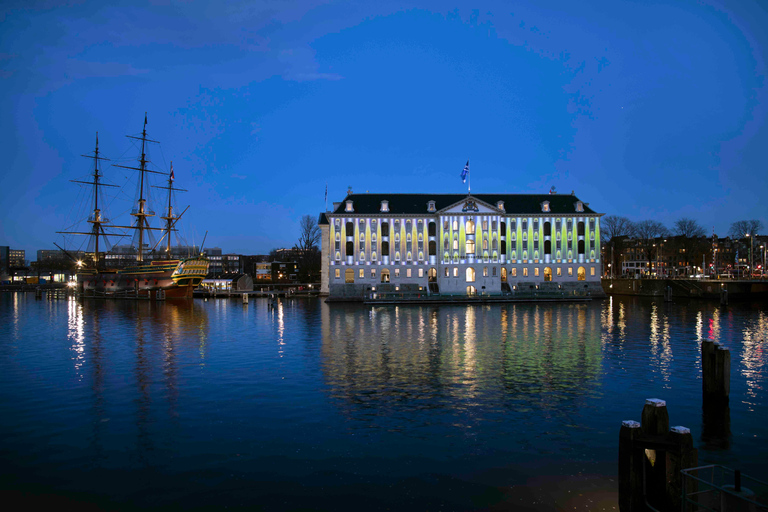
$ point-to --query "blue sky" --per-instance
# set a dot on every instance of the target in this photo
(645, 109)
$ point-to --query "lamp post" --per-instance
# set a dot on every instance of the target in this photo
(751, 260)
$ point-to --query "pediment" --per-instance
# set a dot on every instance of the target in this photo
(470, 205)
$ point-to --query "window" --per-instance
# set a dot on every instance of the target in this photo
(447, 272)
(338, 273)
(385, 276)
(349, 276)
(570, 271)
(547, 274)
(470, 246)
(349, 228)
(580, 228)
(547, 228)
(362, 256)
(397, 255)
(408, 272)
(421, 272)
(494, 271)
(350, 248)
(373, 256)
(471, 290)
(503, 229)
(582, 274)
(485, 225)
(408, 256)
(455, 225)
(455, 271)
(456, 244)
(470, 227)
(373, 273)
(514, 272)
(559, 271)
(470, 275)
(385, 229)
(362, 273)
(397, 272)
(592, 271)
(385, 248)
(338, 256)
(432, 248)
(432, 229)
(536, 271)
(525, 272)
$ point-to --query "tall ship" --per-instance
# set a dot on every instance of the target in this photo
(155, 274)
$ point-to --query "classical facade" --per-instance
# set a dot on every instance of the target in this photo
(456, 244)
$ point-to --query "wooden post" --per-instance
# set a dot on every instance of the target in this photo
(716, 370)
(682, 456)
(630, 467)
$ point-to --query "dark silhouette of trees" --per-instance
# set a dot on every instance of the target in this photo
(307, 250)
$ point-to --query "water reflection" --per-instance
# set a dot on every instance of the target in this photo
(512, 357)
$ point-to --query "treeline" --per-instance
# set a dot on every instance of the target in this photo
(686, 241)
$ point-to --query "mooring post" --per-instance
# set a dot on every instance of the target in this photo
(245, 298)
(716, 370)
(651, 457)
(630, 467)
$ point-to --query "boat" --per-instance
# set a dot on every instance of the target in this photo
(155, 275)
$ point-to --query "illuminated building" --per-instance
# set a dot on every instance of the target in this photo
(456, 244)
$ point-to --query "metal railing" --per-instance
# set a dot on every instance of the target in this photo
(716, 488)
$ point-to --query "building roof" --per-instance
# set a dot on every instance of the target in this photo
(367, 204)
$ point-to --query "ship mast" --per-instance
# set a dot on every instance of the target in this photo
(95, 219)
(142, 212)
(169, 218)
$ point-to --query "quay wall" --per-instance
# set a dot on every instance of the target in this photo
(690, 288)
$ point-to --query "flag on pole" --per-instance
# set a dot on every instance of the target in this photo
(171, 171)
(465, 172)
(326, 192)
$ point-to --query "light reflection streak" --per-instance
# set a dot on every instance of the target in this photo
(76, 333)
(280, 329)
(753, 356)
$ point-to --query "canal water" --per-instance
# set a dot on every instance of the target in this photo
(215, 404)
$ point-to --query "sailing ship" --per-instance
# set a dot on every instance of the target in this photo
(151, 277)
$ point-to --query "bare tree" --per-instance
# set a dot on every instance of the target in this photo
(612, 226)
(689, 242)
(647, 231)
(742, 228)
(614, 230)
(307, 249)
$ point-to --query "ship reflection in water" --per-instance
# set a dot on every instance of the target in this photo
(478, 362)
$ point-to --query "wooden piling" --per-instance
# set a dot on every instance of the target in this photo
(716, 370)
(630, 467)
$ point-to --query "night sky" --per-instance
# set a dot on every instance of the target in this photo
(650, 110)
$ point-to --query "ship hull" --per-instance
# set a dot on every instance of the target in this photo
(176, 279)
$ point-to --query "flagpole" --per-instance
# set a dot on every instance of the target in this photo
(469, 181)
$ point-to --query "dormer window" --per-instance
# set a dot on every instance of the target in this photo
(579, 206)
(500, 205)
(545, 206)
(349, 207)
(384, 206)
(431, 206)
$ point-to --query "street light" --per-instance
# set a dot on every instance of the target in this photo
(751, 260)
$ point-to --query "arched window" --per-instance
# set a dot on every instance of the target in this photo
(547, 247)
(470, 227)
(470, 246)
(421, 256)
(408, 257)
(350, 228)
(547, 274)
(470, 274)
(385, 276)
(397, 255)
(503, 274)
(338, 236)
(581, 274)
(373, 256)
(385, 229)
(432, 228)
(349, 276)
(362, 256)
(580, 228)
(581, 246)
(471, 290)
(455, 225)
(338, 256)
(547, 228)
(456, 244)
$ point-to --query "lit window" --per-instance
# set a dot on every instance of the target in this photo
(514, 272)
(582, 274)
(362, 256)
(349, 276)
(570, 271)
(447, 272)
(470, 227)
(470, 275)
(455, 225)
(338, 273)
(373, 273)
(485, 271)
(559, 272)
(470, 246)
(525, 272)
(421, 272)
(338, 256)
(536, 272)
(407, 272)
(362, 273)
(592, 271)
(397, 272)
(455, 271)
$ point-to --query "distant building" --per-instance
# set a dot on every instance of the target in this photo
(459, 244)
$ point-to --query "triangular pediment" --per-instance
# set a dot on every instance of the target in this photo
(470, 205)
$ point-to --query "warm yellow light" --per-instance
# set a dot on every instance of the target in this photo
(79, 263)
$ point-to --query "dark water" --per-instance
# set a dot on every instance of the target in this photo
(125, 405)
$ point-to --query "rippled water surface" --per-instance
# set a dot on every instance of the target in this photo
(215, 403)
